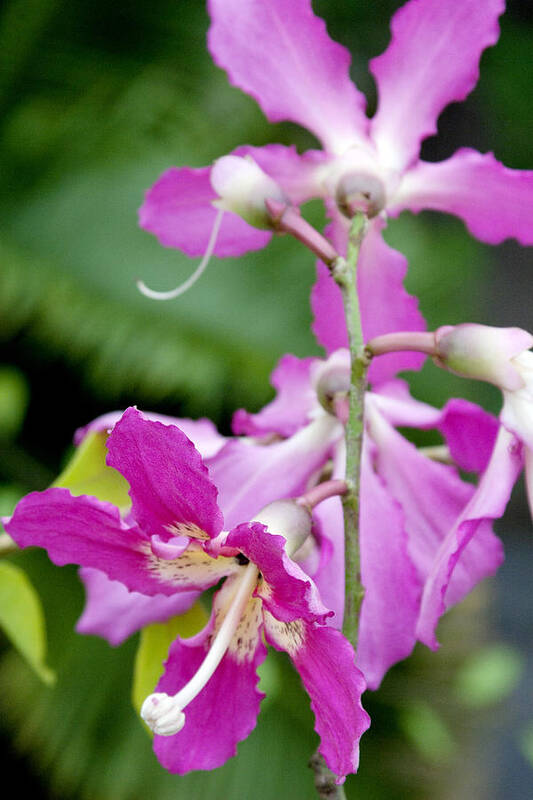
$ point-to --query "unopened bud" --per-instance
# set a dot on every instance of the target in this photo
(483, 352)
(243, 187)
(288, 519)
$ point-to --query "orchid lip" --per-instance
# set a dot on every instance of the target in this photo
(163, 713)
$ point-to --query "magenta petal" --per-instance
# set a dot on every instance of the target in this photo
(392, 588)
(385, 305)
(432, 60)
(223, 714)
(470, 433)
(249, 476)
(202, 432)
(179, 210)
(487, 503)
(289, 411)
(494, 202)
(83, 530)
(169, 484)
(286, 591)
(326, 663)
(281, 55)
(114, 613)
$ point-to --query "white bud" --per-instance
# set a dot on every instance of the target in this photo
(243, 187)
(288, 519)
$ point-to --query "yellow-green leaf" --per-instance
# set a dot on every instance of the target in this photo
(153, 649)
(22, 618)
(87, 473)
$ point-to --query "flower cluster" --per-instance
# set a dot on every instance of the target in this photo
(264, 514)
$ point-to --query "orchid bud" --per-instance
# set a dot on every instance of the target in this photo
(243, 187)
(483, 353)
(289, 519)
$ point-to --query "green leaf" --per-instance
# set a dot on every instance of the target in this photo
(13, 401)
(87, 473)
(153, 649)
(22, 619)
(489, 675)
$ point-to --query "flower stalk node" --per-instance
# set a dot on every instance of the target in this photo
(360, 192)
(287, 219)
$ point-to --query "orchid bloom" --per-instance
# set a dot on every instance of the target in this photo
(425, 534)
(171, 541)
(280, 53)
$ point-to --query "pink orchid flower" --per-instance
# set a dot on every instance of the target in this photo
(170, 542)
(425, 534)
(280, 54)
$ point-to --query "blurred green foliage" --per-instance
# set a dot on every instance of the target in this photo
(97, 99)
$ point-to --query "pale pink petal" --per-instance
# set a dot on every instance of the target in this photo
(432, 60)
(295, 173)
(486, 504)
(329, 577)
(289, 411)
(432, 498)
(385, 305)
(223, 713)
(392, 587)
(249, 476)
(179, 210)
(326, 663)
(281, 55)
(202, 432)
(494, 202)
(169, 484)
(114, 613)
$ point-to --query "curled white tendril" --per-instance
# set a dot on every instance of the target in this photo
(186, 285)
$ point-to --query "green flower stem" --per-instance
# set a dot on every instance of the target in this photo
(345, 274)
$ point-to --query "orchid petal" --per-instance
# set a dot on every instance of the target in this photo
(179, 210)
(169, 485)
(385, 305)
(432, 60)
(202, 432)
(487, 503)
(114, 613)
(470, 433)
(326, 663)
(289, 411)
(225, 711)
(295, 173)
(86, 531)
(249, 476)
(392, 588)
(286, 591)
(432, 497)
(494, 202)
(281, 55)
